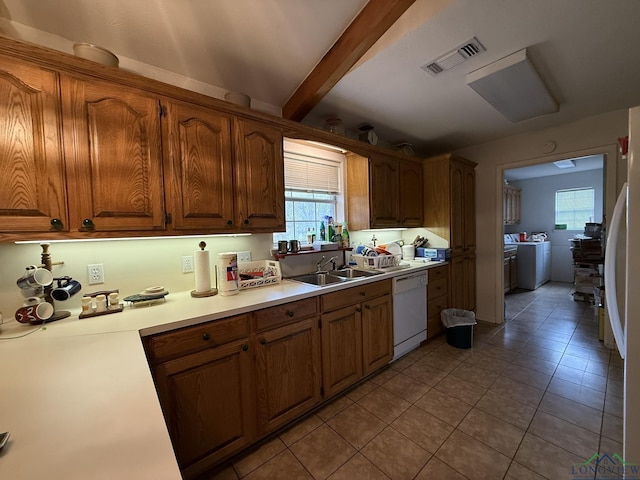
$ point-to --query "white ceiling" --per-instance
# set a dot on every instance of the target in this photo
(582, 164)
(585, 50)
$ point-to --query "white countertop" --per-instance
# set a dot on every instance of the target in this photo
(78, 398)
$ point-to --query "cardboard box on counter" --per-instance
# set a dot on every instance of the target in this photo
(434, 253)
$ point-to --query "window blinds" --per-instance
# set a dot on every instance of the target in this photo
(310, 174)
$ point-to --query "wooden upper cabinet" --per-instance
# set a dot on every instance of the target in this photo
(449, 201)
(114, 156)
(383, 191)
(33, 195)
(511, 205)
(198, 145)
(259, 165)
(411, 206)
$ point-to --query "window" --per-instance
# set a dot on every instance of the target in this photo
(313, 190)
(575, 207)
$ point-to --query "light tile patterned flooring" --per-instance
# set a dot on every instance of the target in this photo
(532, 398)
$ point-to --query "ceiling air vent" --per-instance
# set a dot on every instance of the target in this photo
(455, 57)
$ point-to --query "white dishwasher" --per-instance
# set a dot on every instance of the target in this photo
(409, 312)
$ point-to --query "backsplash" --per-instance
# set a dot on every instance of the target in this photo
(133, 265)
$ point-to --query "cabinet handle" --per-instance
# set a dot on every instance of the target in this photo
(367, 307)
(88, 223)
(245, 347)
(229, 222)
(246, 221)
(363, 293)
(56, 223)
(206, 336)
(263, 341)
(358, 309)
(290, 313)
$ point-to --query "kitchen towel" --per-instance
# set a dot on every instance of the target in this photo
(202, 270)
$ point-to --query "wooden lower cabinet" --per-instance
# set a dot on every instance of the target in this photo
(463, 282)
(357, 339)
(377, 334)
(341, 349)
(437, 298)
(288, 377)
(227, 383)
(208, 400)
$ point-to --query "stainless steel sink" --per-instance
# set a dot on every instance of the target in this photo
(319, 279)
(352, 273)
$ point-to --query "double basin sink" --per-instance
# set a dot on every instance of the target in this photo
(333, 276)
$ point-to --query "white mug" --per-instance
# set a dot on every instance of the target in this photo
(35, 277)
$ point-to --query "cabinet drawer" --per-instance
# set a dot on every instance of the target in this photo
(351, 296)
(192, 339)
(437, 288)
(438, 272)
(436, 305)
(286, 313)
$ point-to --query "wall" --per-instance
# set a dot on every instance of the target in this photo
(592, 135)
(129, 265)
(537, 213)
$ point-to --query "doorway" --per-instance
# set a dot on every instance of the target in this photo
(538, 182)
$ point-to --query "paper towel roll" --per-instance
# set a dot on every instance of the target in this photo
(228, 273)
(202, 270)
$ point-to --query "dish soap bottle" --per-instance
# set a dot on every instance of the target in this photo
(345, 236)
(309, 236)
(322, 230)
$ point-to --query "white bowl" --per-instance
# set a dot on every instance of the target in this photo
(95, 53)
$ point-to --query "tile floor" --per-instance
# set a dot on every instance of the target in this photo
(531, 399)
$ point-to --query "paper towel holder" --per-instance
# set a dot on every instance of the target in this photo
(214, 290)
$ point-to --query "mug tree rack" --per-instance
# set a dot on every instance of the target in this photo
(47, 263)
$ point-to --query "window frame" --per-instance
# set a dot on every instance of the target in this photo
(574, 224)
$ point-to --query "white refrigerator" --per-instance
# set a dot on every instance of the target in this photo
(625, 321)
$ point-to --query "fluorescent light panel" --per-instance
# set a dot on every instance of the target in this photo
(565, 164)
(513, 87)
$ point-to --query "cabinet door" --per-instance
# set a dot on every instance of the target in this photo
(513, 272)
(457, 177)
(116, 181)
(287, 373)
(208, 402)
(383, 191)
(341, 349)
(33, 195)
(411, 204)
(198, 143)
(259, 176)
(507, 274)
(463, 282)
(469, 196)
(377, 334)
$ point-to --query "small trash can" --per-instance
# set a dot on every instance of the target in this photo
(459, 324)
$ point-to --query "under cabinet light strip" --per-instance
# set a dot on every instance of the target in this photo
(74, 240)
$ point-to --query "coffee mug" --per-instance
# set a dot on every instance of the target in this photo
(67, 287)
(282, 246)
(294, 246)
(37, 313)
(35, 277)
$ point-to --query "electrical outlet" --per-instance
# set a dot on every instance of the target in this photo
(96, 273)
(244, 256)
(187, 264)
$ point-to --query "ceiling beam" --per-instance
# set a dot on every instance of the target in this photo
(371, 23)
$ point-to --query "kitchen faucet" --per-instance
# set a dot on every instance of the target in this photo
(321, 264)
